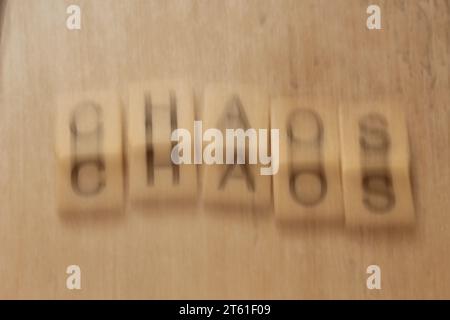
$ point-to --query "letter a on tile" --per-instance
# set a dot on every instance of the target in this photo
(236, 184)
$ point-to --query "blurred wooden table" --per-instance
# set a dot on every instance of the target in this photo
(306, 48)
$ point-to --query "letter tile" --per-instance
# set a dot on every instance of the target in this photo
(375, 166)
(237, 185)
(155, 110)
(88, 151)
(308, 184)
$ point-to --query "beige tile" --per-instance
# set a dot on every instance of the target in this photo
(308, 185)
(155, 110)
(89, 153)
(239, 185)
(375, 166)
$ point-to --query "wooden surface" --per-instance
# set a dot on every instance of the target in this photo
(303, 48)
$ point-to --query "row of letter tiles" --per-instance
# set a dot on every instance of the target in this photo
(335, 162)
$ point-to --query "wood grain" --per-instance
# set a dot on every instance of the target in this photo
(298, 48)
